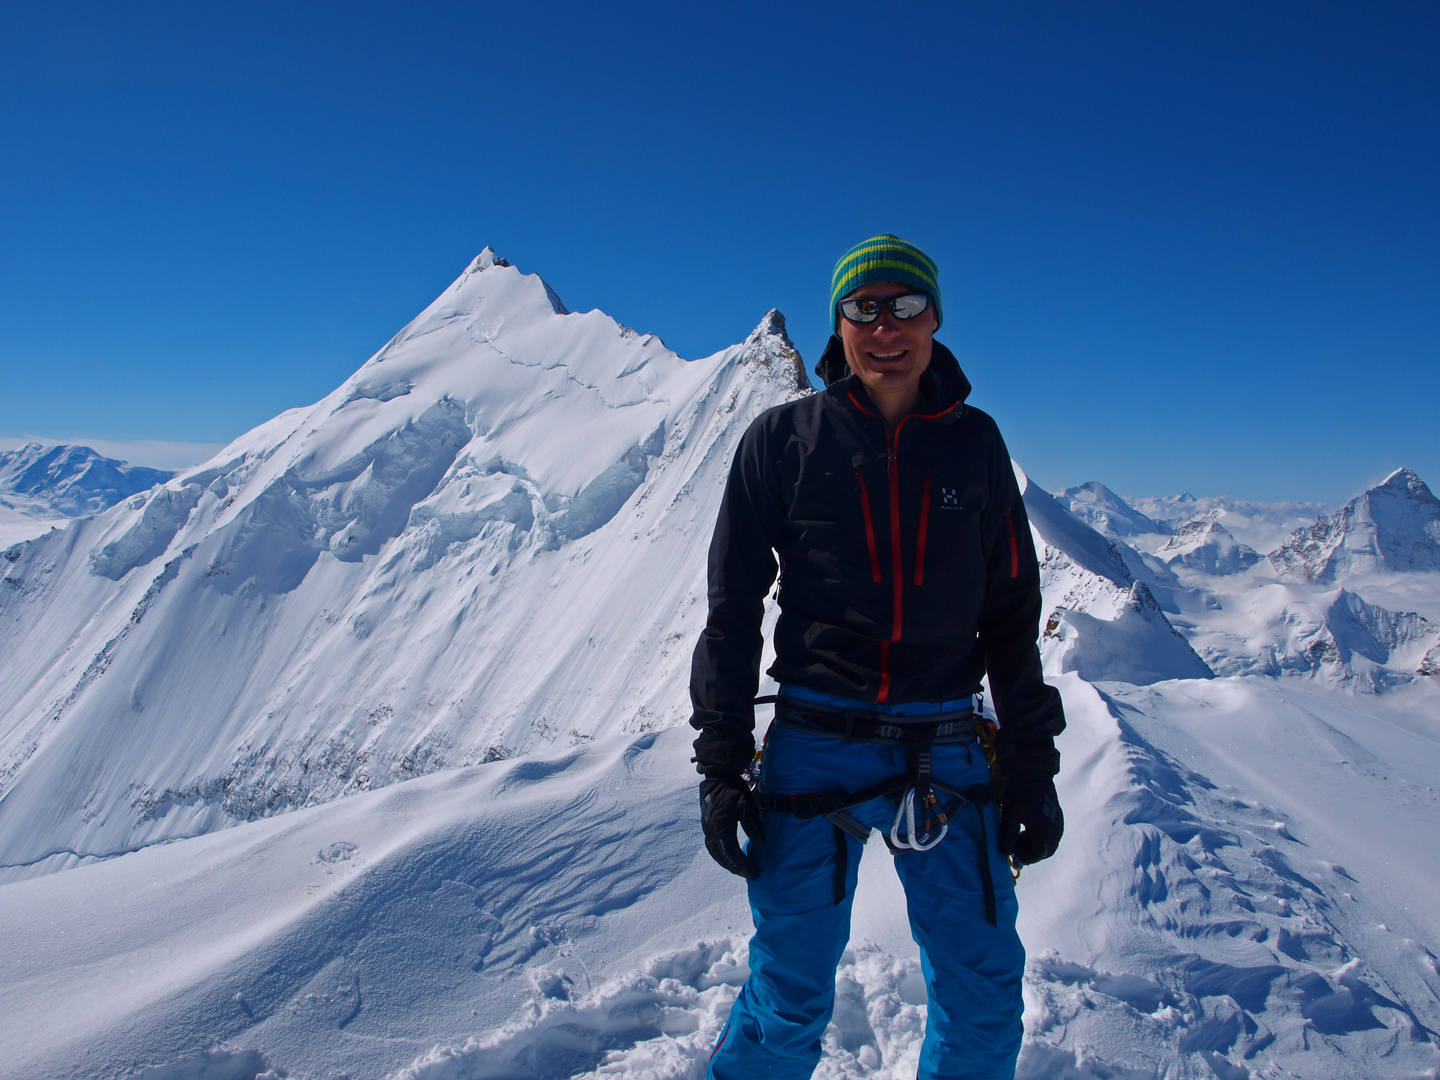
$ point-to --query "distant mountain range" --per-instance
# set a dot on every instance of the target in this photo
(71, 481)
(1277, 614)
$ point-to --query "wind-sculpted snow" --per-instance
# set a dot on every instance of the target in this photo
(146, 534)
(556, 916)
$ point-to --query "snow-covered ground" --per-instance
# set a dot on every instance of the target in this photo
(556, 916)
(360, 751)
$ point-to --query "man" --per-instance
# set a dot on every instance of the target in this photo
(907, 572)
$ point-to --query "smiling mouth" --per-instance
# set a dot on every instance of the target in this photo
(888, 356)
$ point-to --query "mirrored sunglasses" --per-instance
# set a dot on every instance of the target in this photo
(866, 309)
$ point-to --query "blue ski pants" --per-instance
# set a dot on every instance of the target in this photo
(972, 970)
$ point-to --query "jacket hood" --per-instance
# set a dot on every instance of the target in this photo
(942, 382)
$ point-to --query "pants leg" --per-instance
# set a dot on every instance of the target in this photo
(778, 1021)
(973, 971)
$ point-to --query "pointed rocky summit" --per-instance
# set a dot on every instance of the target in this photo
(1393, 526)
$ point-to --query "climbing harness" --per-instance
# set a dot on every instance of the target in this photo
(916, 789)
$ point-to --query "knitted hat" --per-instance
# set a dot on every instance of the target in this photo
(883, 258)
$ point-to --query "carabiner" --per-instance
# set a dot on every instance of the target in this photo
(906, 812)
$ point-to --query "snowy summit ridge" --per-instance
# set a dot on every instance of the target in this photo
(482, 542)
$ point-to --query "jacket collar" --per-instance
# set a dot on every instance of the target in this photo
(942, 384)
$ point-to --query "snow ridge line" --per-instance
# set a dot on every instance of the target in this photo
(96, 668)
(1247, 962)
(80, 855)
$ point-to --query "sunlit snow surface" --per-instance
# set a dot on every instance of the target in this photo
(359, 751)
(557, 917)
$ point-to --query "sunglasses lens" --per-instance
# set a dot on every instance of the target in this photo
(860, 309)
(907, 307)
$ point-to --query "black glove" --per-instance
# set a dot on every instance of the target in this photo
(1028, 770)
(726, 801)
(1032, 803)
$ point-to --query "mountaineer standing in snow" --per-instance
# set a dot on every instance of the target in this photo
(907, 573)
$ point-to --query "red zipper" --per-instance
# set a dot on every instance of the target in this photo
(897, 569)
(924, 526)
(869, 526)
(1014, 546)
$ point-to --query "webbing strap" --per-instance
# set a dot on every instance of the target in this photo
(985, 878)
(947, 729)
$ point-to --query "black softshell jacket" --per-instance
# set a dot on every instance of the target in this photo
(907, 570)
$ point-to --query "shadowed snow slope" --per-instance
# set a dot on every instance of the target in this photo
(1100, 621)
(489, 539)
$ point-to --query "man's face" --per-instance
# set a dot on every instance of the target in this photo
(889, 355)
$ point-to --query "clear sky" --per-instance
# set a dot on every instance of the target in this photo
(1183, 246)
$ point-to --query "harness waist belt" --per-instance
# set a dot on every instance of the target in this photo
(946, 729)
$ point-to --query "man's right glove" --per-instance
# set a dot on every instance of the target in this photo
(1030, 802)
(726, 801)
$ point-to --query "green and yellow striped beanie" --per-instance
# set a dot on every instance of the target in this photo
(883, 258)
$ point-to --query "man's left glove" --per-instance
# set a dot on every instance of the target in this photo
(1030, 802)
(725, 802)
(1033, 804)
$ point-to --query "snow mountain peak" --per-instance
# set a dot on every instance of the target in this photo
(489, 539)
(769, 349)
(1202, 543)
(1107, 512)
(1392, 526)
(485, 260)
(1405, 483)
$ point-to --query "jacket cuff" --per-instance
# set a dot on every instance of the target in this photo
(722, 754)
(1028, 758)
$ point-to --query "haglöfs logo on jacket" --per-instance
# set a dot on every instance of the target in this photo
(950, 499)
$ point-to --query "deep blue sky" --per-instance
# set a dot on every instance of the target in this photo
(1183, 246)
